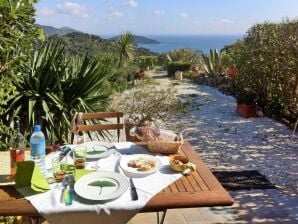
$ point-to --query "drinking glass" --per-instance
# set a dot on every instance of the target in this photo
(58, 171)
(79, 156)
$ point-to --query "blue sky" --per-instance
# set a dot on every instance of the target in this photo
(155, 17)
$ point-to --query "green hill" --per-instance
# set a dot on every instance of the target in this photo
(80, 44)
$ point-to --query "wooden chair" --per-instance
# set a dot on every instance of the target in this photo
(89, 122)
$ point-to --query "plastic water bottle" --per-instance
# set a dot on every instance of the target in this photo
(38, 148)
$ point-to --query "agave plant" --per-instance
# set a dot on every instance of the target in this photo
(56, 87)
(213, 63)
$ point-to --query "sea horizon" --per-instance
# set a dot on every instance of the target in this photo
(203, 42)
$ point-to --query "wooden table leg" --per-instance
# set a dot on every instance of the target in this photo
(163, 215)
(36, 219)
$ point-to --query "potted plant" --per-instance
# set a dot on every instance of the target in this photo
(246, 103)
(147, 106)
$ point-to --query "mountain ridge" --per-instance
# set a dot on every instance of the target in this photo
(50, 31)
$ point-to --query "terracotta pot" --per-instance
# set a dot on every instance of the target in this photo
(247, 111)
(130, 138)
(232, 72)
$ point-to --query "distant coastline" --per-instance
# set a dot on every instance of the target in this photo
(138, 39)
(162, 43)
(194, 42)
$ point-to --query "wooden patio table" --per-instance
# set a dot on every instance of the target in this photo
(199, 189)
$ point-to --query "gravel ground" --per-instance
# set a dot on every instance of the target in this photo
(227, 141)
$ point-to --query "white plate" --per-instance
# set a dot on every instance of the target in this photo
(134, 172)
(98, 150)
(84, 190)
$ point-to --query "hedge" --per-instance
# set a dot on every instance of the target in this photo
(172, 67)
(268, 66)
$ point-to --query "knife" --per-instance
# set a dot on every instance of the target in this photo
(133, 191)
(64, 151)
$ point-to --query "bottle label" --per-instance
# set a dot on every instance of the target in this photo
(37, 149)
(16, 155)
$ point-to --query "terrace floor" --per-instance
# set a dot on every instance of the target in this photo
(227, 141)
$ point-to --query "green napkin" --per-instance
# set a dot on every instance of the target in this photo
(81, 172)
(29, 176)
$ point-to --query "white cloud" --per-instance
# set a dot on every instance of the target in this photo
(197, 22)
(73, 9)
(224, 22)
(183, 15)
(46, 12)
(158, 13)
(132, 4)
(114, 13)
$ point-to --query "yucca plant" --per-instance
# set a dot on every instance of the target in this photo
(56, 87)
(213, 63)
(84, 89)
(37, 88)
(125, 49)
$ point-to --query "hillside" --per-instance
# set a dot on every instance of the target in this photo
(139, 40)
(50, 30)
(80, 44)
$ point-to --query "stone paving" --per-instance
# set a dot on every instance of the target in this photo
(226, 141)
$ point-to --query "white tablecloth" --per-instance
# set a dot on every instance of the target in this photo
(118, 211)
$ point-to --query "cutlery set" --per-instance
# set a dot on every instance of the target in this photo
(67, 194)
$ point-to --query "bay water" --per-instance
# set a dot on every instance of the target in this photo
(194, 42)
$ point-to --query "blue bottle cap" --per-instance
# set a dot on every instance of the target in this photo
(37, 127)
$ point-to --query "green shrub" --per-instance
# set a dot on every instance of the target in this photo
(145, 62)
(17, 35)
(268, 65)
(184, 55)
(172, 67)
(125, 74)
(190, 75)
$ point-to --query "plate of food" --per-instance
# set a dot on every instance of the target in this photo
(98, 150)
(139, 165)
(101, 186)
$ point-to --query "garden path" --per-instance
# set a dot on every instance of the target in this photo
(226, 141)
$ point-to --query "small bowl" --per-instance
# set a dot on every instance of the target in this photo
(179, 163)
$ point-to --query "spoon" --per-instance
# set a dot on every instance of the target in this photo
(65, 182)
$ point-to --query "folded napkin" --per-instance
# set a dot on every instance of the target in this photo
(29, 179)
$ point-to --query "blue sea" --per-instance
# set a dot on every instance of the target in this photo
(199, 42)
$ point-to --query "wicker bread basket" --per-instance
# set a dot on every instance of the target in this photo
(165, 147)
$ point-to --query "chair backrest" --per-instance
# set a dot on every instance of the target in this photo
(108, 125)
